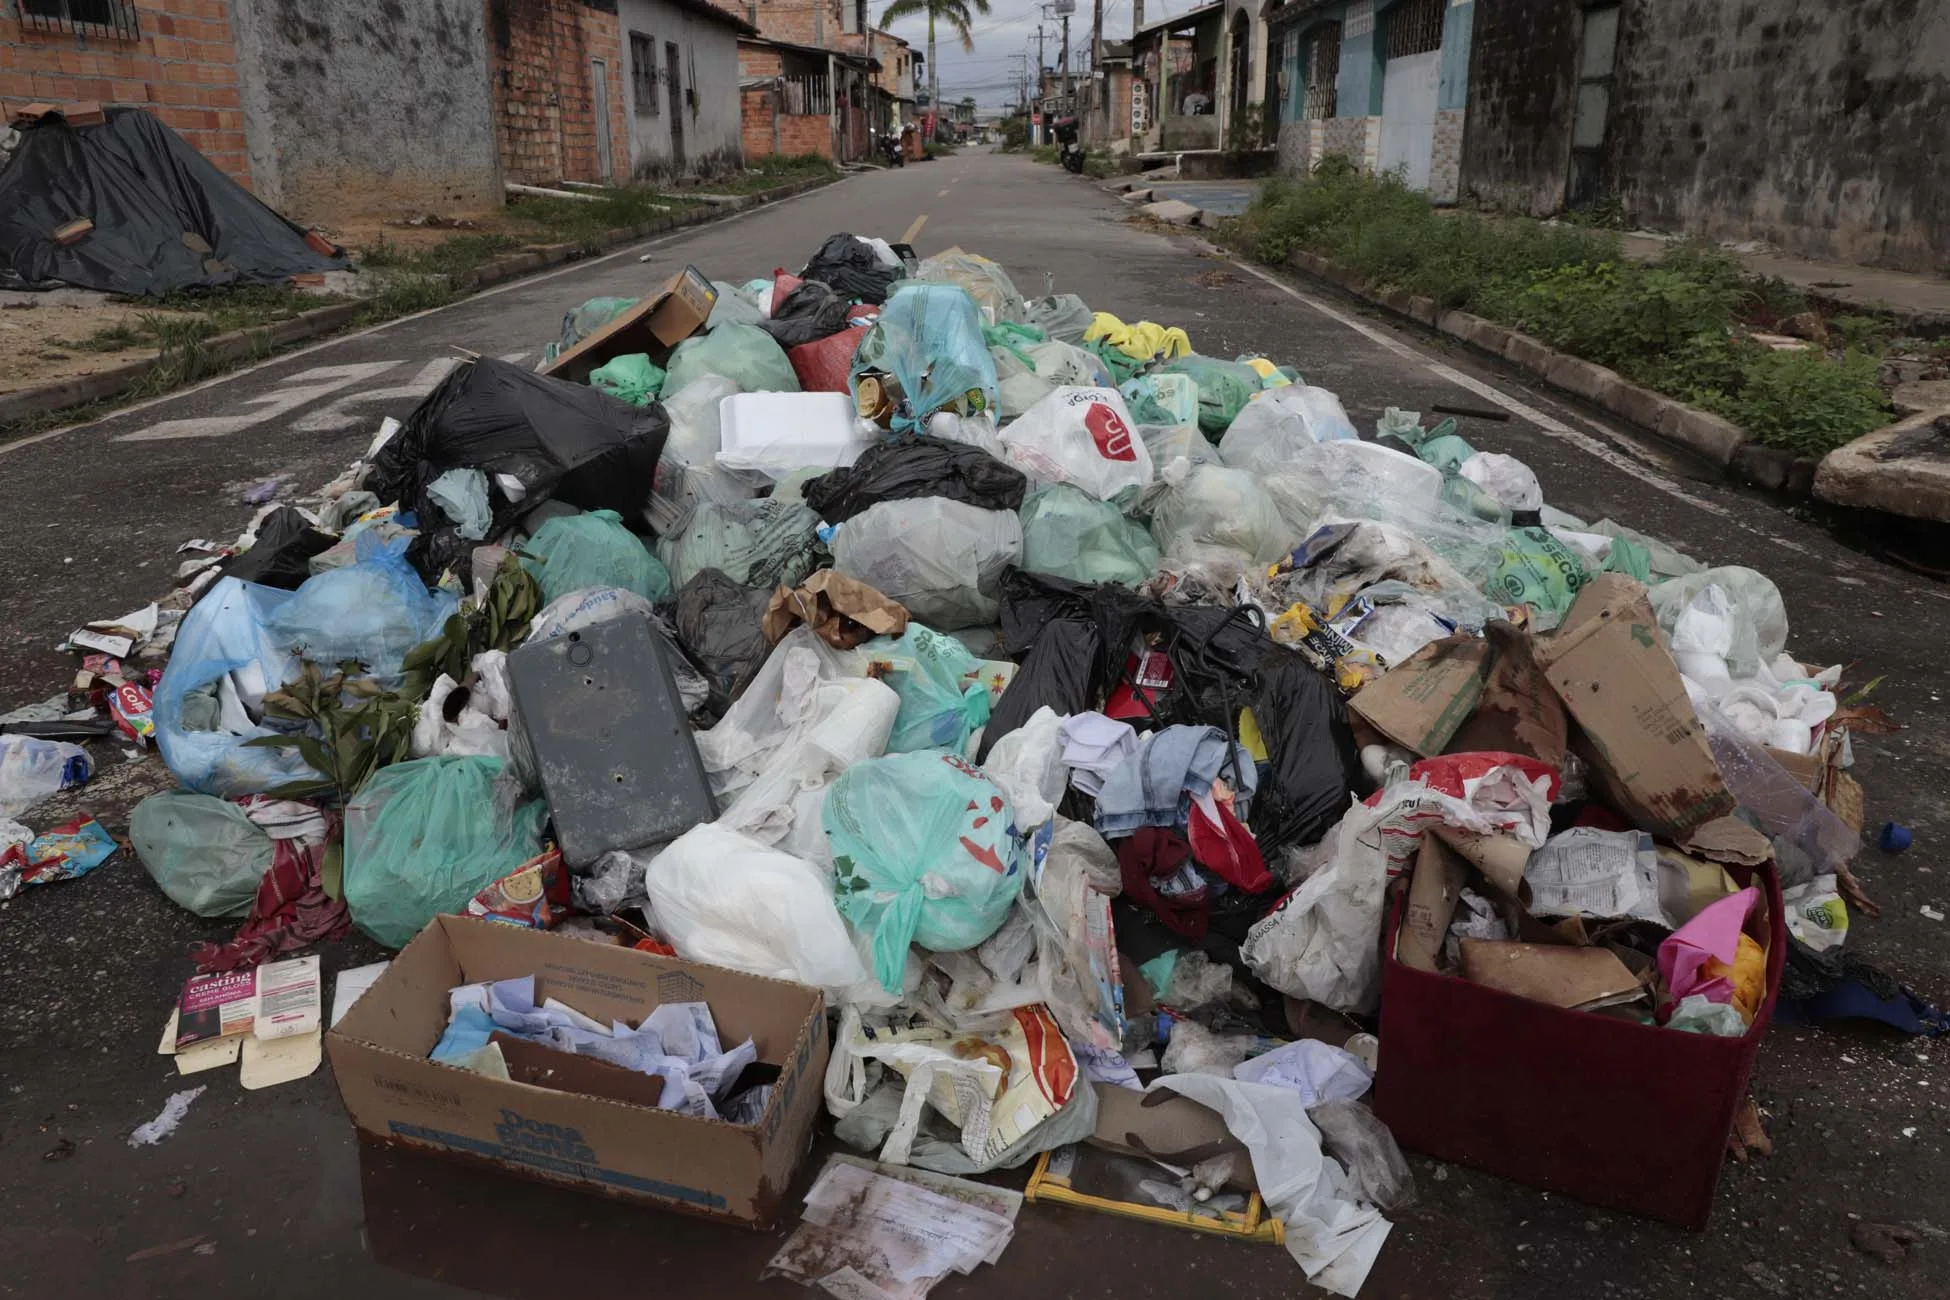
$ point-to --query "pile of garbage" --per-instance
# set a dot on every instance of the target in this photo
(1085, 716)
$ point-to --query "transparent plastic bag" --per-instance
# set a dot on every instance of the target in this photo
(1169, 442)
(926, 852)
(1061, 316)
(203, 852)
(578, 323)
(1376, 1172)
(1281, 426)
(1197, 981)
(574, 552)
(734, 306)
(1071, 534)
(1760, 624)
(1511, 482)
(687, 471)
(942, 559)
(984, 281)
(1162, 399)
(725, 899)
(1809, 840)
(1017, 386)
(1208, 509)
(762, 543)
(780, 702)
(928, 341)
(744, 354)
(942, 699)
(424, 836)
(1064, 363)
(31, 769)
(373, 611)
(1082, 436)
(1224, 388)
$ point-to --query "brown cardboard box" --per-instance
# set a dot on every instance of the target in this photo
(1422, 701)
(1433, 892)
(1646, 746)
(584, 1138)
(654, 326)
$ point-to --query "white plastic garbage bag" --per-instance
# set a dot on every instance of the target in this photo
(942, 559)
(724, 898)
(1506, 478)
(1214, 514)
(31, 769)
(1083, 436)
(687, 471)
(1028, 765)
(1281, 426)
(781, 703)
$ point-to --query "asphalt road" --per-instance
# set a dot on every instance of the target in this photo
(266, 1194)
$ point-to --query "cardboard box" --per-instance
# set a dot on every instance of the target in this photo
(654, 326)
(583, 1138)
(1609, 663)
(1610, 1111)
(1424, 700)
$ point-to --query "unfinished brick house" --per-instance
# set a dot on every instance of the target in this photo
(559, 81)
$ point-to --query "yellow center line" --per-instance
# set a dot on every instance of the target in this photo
(915, 229)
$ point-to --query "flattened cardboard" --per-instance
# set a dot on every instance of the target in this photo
(656, 324)
(1728, 839)
(1432, 895)
(700, 1166)
(1519, 712)
(1610, 665)
(268, 1062)
(1424, 700)
(1561, 975)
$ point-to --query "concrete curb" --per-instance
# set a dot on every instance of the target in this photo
(261, 340)
(1705, 435)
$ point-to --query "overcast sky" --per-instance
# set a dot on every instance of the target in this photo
(992, 72)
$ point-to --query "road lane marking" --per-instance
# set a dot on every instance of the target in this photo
(628, 250)
(293, 392)
(338, 415)
(914, 229)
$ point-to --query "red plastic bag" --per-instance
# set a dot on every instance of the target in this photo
(1513, 792)
(823, 365)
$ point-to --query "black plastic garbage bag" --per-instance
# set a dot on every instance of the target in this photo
(1312, 766)
(559, 440)
(280, 557)
(1120, 615)
(901, 469)
(1056, 672)
(850, 265)
(718, 622)
(808, 314)
(165, 217)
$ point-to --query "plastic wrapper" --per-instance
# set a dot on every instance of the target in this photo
(1281, 427)
(574, 552)
(763, 543)
(726, 899)
(984, 281)
(1082, 436)
(203, 852)
(1209, 512)
(1376, 1172)
(941, 559)
(65, 852)
(925, 851)
(424, 836)
(1224, 388)
(902, 469)
(372, 611)
(928, 345)
(1069, 533)
(744, 354)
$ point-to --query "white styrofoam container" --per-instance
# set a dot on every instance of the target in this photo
(775, 433)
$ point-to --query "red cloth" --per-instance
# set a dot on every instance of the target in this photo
(290, 912)
(1149, 862)
(1228, 850)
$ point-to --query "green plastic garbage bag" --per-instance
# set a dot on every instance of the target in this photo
(759, 543)
(1629, 558)
(943, 698)
(1224, 387)
(744, 354)
(923, 852)
(1537, 570)
(425, 836)
(1016, 338)
(928, 341)
(1121, 365)
(1070, 534)
(1162, 399)
(200, 850)
(573, 552)
(633, 377)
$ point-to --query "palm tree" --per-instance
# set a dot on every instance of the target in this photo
(957, 14)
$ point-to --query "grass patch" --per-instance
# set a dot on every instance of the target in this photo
(1672, 325)
(1045, 153)
(771, 172)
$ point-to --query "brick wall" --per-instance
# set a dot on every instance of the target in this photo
(182, 68)
(755, 113)
(806, 134)
(539, 54)
(802, 22)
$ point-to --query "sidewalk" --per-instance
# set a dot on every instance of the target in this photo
(1921, 301)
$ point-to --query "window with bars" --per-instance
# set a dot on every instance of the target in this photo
(1322, 56)
(114, 19)
(643, 74)
(1414, 27)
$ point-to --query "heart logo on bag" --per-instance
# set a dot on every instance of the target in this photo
(1109, 432)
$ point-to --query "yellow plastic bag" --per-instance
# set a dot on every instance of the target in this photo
(1142, 341)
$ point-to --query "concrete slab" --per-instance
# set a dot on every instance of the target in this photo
(1903, 469)
(1175, 211)
(1226, 198)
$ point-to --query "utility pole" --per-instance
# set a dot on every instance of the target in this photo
(1099, 82)
(1069, 104)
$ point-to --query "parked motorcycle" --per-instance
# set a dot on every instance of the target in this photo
(1068, 151)
(891, 149)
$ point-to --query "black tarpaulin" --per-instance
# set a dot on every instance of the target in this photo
(165, 217)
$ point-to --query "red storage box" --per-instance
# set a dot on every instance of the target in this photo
(1619, 1114)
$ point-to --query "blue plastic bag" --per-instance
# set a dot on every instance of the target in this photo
(425, 836)
(572, 552)
(929, 339)
(225, 641)
(943, 698)
(373, 610)
(924, 851)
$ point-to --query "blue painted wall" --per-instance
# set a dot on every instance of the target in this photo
(1457, 24)
(1360, 85)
